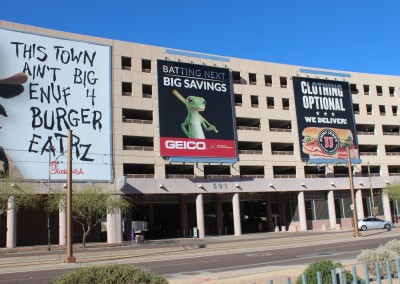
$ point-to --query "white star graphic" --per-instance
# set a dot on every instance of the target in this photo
(325, 113)
(333, 114)
(317, 113)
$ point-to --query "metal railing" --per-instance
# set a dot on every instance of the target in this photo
(282, 152)
(218, 176)
(285, 176)
(280, 130)
(139, 175)
(139, 148)
(254, 128)
(338, 275)
(251, 176)
(250, 152)
(368, 153)
(365, 133)
(180, 176)
(315, 175)
(139, 121)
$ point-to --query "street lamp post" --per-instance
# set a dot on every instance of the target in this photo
(48, 197)
(356, 232)
(69, 258)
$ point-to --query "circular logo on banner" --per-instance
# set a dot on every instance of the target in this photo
(328, 141)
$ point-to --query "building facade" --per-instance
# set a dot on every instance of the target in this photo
(269, 187)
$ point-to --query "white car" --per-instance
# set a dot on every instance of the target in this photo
(374, 223)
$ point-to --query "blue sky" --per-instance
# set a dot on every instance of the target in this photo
(359, 36)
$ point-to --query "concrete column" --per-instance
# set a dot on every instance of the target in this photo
(236, 215)
(199, 170)
(268, 208)
(184, 216)
(114, 226)
(282, 212)
(62, 223)
(159, 171)
(151, 214)
(302, 211)
(235, 171)
(219, 214)
(386, 208)
(11, 223)
(331, 209)
(359, 204)
(200, 216)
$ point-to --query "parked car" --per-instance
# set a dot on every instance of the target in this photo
(370, 223)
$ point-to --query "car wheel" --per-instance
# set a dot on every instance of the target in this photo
(387, 227)
(363, 228)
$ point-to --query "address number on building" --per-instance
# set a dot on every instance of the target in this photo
(220, 185)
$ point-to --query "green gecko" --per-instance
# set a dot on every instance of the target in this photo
(194, 123)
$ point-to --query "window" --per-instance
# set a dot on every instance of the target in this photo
(369, 109)
(268, 80)
(126, 89)
(394, 110)
(238, 99)
(390, 129)
(353, 89)
(365, 129)
(146, 65)
(252, 79)
(282, 148)
(138, 143)
(280, 125)
(283, 81)
(284, 171)
(250, 148)
(391, 91)
(382, 110)
(254, 101)
(137, 116)
(244, 123)
(270, 102)
(379, 90)
(285, 104)
(179, 171)
(236, 77)
(366, 89)
(126, 63)
(147, 91)
(356, 108)
(368, 150)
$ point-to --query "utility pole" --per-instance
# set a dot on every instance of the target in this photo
(69, 258)
(372, 192)
(48, 197)
(353, 200)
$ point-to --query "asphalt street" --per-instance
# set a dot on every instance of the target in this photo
(184, 260)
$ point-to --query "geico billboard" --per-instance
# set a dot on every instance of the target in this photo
(47, 86)
(195, 111)
(325, 120)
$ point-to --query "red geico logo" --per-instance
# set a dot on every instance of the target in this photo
(185, 145)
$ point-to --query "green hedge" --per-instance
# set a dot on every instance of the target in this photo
(109, 274)
(324, 266)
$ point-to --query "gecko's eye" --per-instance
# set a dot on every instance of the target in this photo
(190, 99)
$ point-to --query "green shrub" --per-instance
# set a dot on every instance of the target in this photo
(109, 274)
(324, 266)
